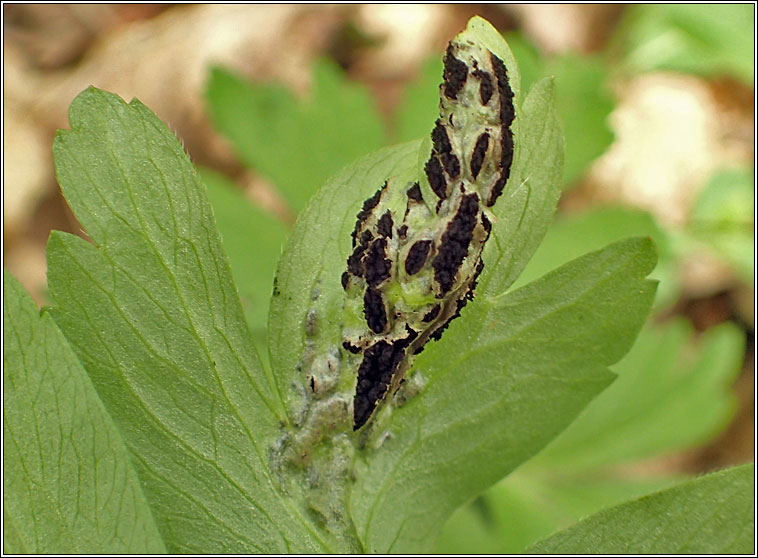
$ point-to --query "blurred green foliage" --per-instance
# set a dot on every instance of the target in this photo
(704, 39)
(722, 219)
(419, 108)
(295, 143)
(584, 101)
(569, 236)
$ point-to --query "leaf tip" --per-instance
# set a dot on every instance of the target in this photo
(89, 101)
(548, 85)
(55, 241)
(478, 24)
(648, 252)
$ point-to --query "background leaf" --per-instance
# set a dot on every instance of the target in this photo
(669, 396)
(253, 241)
(722, 219)
(584, 104)
(526, 507)
(571, 235)
(68, 482)
(709, 515)
(419, 108)
(695, 38)
(296, 144)
(153, 315)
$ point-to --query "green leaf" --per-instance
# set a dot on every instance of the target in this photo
(296, 144)
(530, 62)
(672, 393)
(570, 236)
(726, 199)
(709, 515)
(709, 39)
(526, 507)
(509, 375)
(68, 486)
(432, 440)
(528, 203)
(253, 241)
(151, 311)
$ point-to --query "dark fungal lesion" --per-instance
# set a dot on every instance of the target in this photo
(437, 333)
(377, 266)
(376, 373)
(414, 193)
(420, 262)
(460, 303)
(486, 89)
(444, 150)
(375, 310)
(355, 260)
(507, 115)
(384, 226)
(374, 377)
(348, 346)
(436, 177)
(431, 314)
(477, 157)
(453, 247)
(368, 207)
(416, 257)
(454, 75)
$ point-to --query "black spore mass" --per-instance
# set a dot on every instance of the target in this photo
(455, 242)
(417, 256)
(480, 150)
(444, 150)
(379, 364)
(414, 192)
(384, 226)
(485, 85)
(374, 310)
(507, 114)
(376, 265)
(436, 177)
(454, 74)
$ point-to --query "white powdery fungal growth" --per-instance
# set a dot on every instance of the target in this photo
(417, 246)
